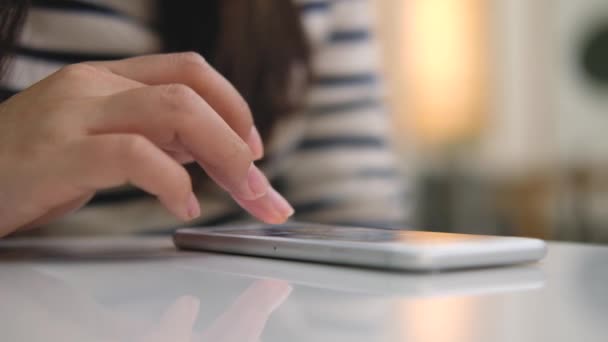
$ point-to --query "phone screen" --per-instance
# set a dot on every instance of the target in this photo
(354, 234)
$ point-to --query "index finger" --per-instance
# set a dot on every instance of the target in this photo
(192, 70)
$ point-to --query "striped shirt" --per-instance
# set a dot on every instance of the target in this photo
(333, 160)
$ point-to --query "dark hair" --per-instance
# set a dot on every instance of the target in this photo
(12, 14)
(256, 44)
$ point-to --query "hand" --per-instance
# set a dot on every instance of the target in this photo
(103, 124)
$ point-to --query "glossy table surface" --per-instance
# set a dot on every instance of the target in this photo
(142, 289)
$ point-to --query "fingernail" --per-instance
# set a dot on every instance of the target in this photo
(257, 182)
(193, 208)
(280, 204)
(255, 143)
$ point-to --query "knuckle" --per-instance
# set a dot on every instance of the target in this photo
(232, 159)
(237, 154)
(78, 71)
(180, 92)
(191, 59)
(191, 64)
(183, 184)
(129, 148)
(178, 99)
(246, 116)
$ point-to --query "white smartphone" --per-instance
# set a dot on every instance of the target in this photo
(366, 247)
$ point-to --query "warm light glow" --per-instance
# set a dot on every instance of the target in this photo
(440, 319)
(445, 60)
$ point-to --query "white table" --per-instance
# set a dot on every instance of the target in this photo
(142, 289)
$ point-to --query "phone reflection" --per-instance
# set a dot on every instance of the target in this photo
(157, 295)
(351, 304)
(37, 306)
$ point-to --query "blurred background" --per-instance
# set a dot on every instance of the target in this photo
(501, 113)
